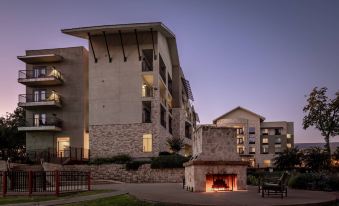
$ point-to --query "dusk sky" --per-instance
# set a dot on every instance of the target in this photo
(262, 55)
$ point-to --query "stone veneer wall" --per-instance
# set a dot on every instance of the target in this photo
(118, 172)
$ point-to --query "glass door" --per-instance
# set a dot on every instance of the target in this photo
(63, 147)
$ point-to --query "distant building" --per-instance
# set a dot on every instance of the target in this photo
(257, 141)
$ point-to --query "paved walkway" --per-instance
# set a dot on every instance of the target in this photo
(70, 200)
(173, 193)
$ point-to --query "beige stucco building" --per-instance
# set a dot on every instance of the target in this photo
(130, 92)
(257, 141)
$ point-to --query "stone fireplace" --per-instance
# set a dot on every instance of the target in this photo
(215, 164)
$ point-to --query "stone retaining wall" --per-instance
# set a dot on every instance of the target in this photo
(118, 172)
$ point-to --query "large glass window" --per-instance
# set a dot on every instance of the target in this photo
(146, 112)
(264, 149)
(264, 131)
(251, 139)
(251, 130)
(147, 60)
(63, 146)
(277, 148)
(267, 163)
(252, 150)
(265, 140)
(163, 116)
(147, 142)
(162, 69)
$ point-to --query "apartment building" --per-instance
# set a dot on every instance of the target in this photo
(257, 141)
(56, 99)
(135, 91)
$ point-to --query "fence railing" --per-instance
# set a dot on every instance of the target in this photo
(41, 97)
(43, 72)
(55, 182)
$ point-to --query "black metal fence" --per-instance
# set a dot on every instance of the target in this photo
(41, 182)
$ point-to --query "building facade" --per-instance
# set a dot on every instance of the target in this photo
(257, 141)
(136, 92)
(56, 99)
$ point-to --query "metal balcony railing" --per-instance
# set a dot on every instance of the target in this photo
(47, 97)
(44, 121)
(40, 73)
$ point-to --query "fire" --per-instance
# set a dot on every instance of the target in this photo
(221, 182)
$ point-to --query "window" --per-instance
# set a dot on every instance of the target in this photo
(277, 148)
(63, 146)
(278, 140)
(264, 149)
(252, 150)
(251, 139)
(241, 150)
(289, 145)
(265, 140)
(147, 60)
(147, 142)
(240, 131)
(39, 71)
(39, 120)
(146, 112)
(146, 88)
(170, 124)
(170, 89)
(162, 69)
(277, 131)
(264, 131)
(251, 130)
(188, 130)
(289, 136)
(163, 116)
(267, 163)
(240, 140)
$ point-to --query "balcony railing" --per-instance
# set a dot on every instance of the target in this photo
(43, 76)
(41, 99)
(42, 123)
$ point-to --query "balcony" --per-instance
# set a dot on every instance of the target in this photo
(42, 100)
(40, 77)
(42, 123)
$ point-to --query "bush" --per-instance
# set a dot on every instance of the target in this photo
(118, 159)
(164, 153)
(134, 165)
(315, 181)
(252, 180)
(168, 161)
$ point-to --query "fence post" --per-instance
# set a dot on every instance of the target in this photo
(30, 183)
(57, 183)
(4, 183)
(89, 180)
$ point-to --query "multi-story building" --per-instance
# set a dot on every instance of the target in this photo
(56, 99)
(136, 92)
(257, 141)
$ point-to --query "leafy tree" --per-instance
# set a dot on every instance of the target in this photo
(288, 159)
(316, 159)
(10, 138)
(175, 144)
(323, 114)
(336, 154)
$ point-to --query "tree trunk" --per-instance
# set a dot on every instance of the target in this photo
(327, 145)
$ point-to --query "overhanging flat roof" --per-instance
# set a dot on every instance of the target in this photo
(44, 58)
(82, 32)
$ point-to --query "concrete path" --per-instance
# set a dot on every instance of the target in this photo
(173, 193)
(70, 200)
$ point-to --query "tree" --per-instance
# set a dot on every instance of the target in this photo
(323, 114)
(316, 159)
(175, 144)
(10, 137)
(288, 159)
(336, 154)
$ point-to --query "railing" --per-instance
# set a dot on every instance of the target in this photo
(51, 96)
(29, 182)
(44, 121)
(65, 156)
(40, 73)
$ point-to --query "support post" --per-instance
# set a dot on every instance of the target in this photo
(122, 46)
(89, 181)
(90, 41)
(109, 55)
(136, 37)
(4, 184)
(57, 182)
(30, 183)
(154, 54)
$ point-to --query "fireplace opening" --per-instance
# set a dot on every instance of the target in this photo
(221, 182)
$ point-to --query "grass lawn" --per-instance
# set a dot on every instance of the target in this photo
(120, 200)
(22, 199)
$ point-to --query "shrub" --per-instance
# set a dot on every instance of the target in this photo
(134, 165)
(118, 159)
(315, 181)
(168, 161)
(164, 153)
(252, 180)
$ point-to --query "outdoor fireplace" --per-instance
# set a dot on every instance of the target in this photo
(221, 182)
(215, 165)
